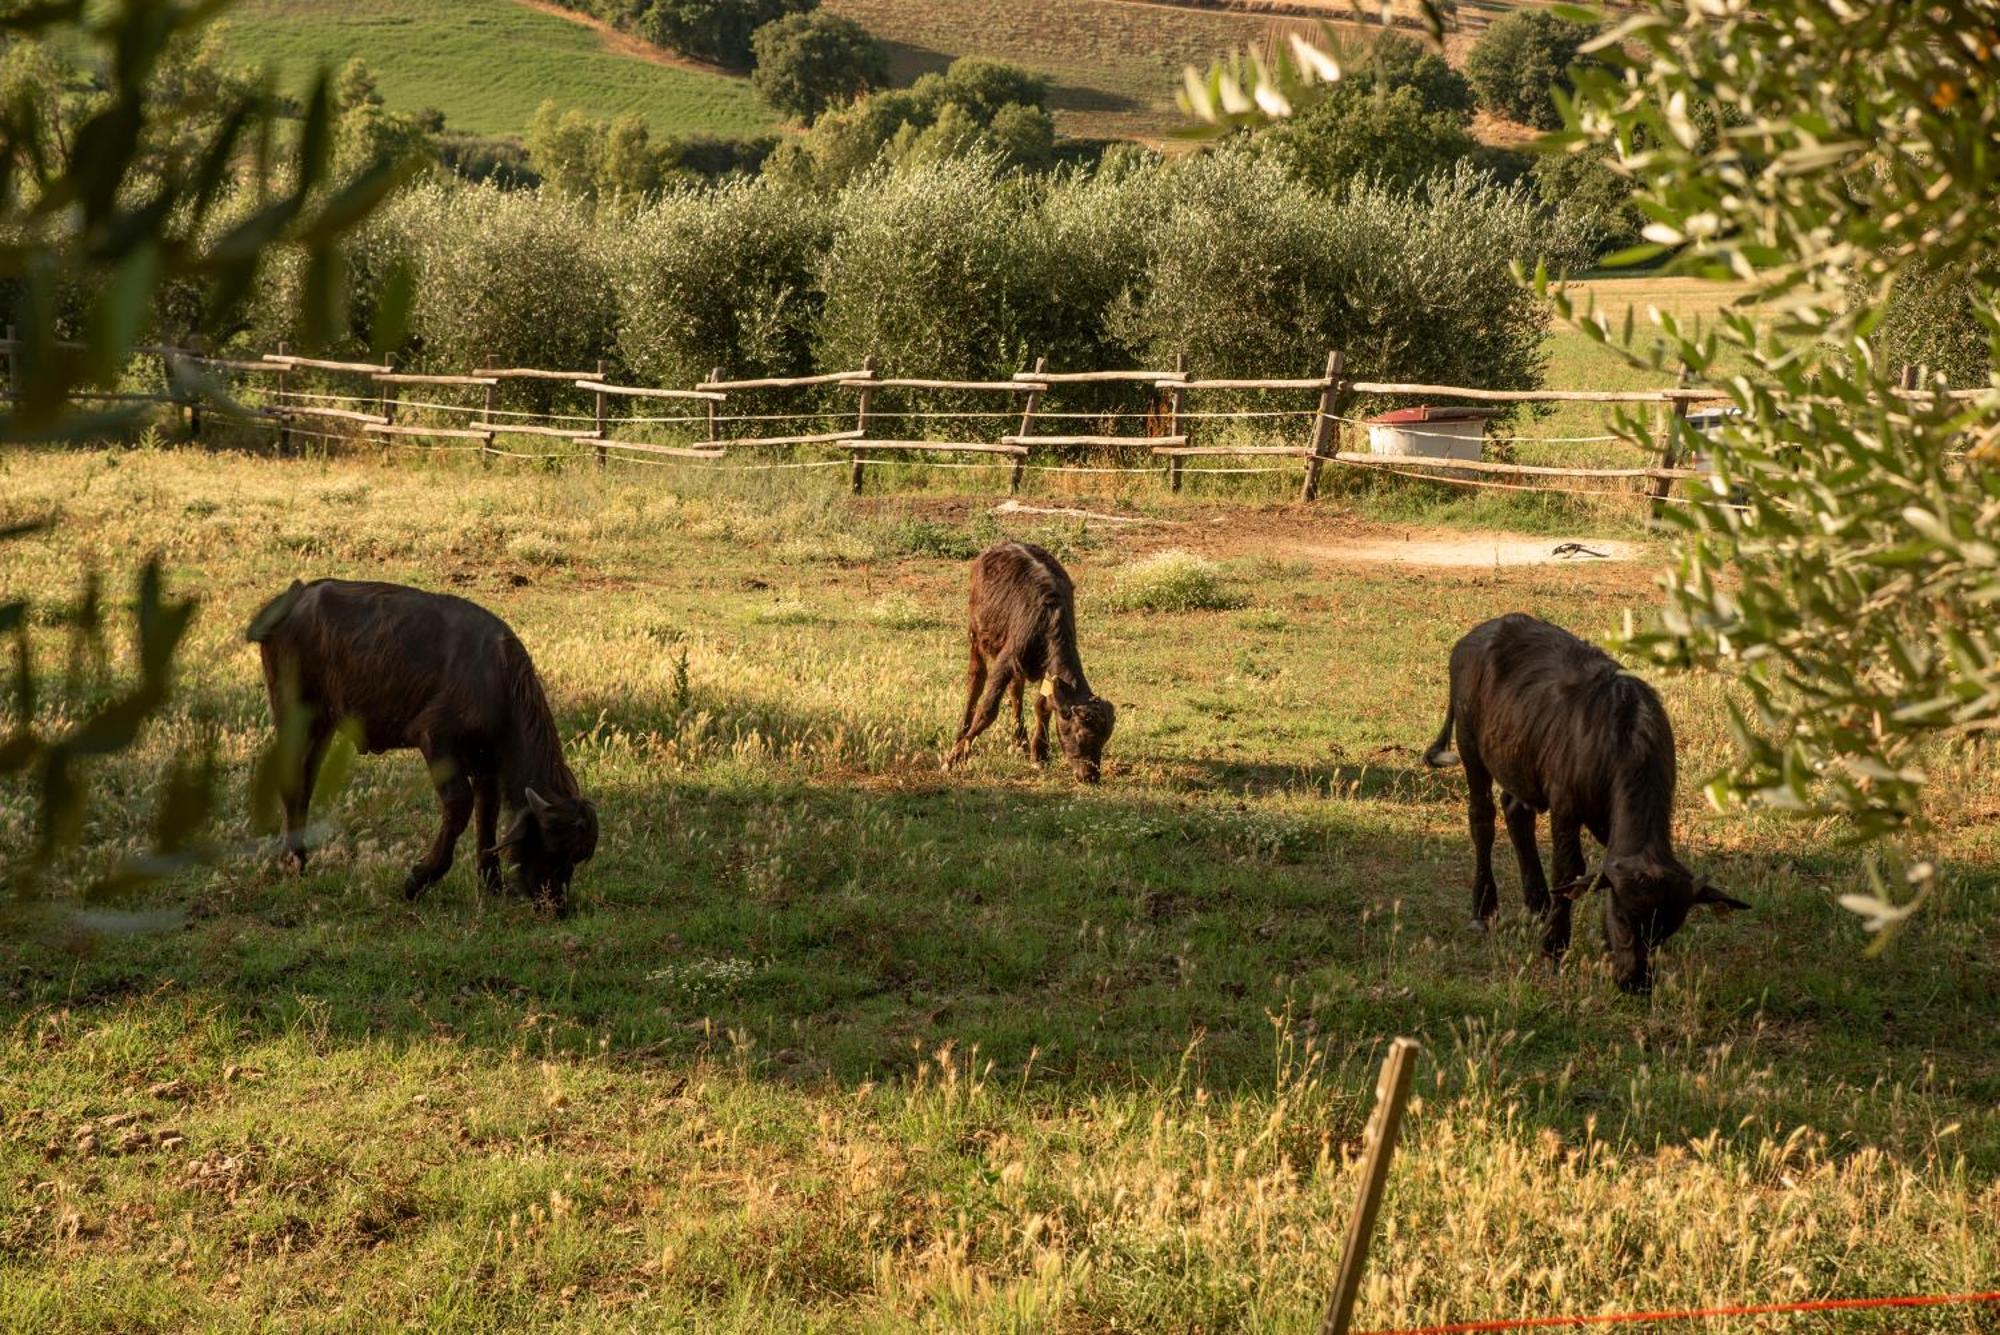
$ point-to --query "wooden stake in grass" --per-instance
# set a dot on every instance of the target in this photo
(1326, 430)
(1027, 428)
(861, 402)
(1392, 1091)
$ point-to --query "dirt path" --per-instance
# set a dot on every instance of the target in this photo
(624, 43)
(1490, 551)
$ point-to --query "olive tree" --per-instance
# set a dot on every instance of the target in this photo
(1851, 595)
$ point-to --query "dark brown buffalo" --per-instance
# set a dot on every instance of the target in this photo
(409, 669)
(1023, 629)
(1565, 730)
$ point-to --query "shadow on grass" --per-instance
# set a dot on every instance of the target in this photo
(835, 933)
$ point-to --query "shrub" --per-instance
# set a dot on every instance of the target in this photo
(809, 62)
(1582, 186)
(1519, 58)
(1401, 62)
(930, 268)
(975, 108)
(1173, 581)
(1384, 134)
(514, 276)
(1929, 321)
(724, 277)
(1256, 274)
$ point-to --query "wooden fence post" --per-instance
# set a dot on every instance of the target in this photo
(714, 375)
(284, 407)
(193, 401)
(1027, 422)
(1670, 445)
(602, 422)
(1326, 426)
(1176, 406)
(13, 364)
(492, 404)
(863, 397)
(1392, 1091)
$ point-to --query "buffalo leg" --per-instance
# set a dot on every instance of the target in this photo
(1521, 829)
(986, 711)
(454, 792)
(1479, 803)
(486, 830)
(1014, 692)
(1567, 834)
(1038, 745)
(975, 682)
(298, 799)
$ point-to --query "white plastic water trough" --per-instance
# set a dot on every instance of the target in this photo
(1430, 432)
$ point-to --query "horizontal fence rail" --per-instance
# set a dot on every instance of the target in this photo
(846, 411)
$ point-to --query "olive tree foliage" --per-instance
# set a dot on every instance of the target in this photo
(1254, 273)
(930, 268)
(119, 195)
(508, 277)
(725, 277)
(976, 108)
(1852, 596)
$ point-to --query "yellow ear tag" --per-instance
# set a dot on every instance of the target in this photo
(1049, 687)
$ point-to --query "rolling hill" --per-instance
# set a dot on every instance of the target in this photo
(488, 63)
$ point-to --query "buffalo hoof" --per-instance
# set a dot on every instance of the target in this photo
(418, 881)
(490, 881)
(1480, 926)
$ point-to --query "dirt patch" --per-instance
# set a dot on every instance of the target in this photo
(624, 43)
(1487, 551)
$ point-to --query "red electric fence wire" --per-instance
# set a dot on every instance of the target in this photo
(1691, 1314)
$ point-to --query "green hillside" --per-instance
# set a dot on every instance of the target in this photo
(487, 63)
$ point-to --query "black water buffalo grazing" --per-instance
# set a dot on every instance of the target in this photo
(1565, 730)
(1023, 629)
(410, 669)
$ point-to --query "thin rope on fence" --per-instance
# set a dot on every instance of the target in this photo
(1699, 1313)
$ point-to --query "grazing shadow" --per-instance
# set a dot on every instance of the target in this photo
(841, 926)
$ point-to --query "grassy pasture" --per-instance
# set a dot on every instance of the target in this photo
(487, 64)
(838, 1042)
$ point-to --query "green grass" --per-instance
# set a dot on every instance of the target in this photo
(836, 1041)
(487, 64)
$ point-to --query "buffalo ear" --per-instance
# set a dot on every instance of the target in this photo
(516, 831)
(1723, 905)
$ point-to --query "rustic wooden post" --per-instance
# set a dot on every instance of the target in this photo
(1027, 426)
(863, 397)
(602, 423)
(193, 401)
(1176, 406)
(714, 375)
(284, 406)
(389, 393)
(1670, 444)
(492, 405)
(1392, 1091)
(1326, 426)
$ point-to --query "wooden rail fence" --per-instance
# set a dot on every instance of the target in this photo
(384, 405)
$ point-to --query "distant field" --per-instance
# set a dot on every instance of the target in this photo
(1113, 64)
(487, 63)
